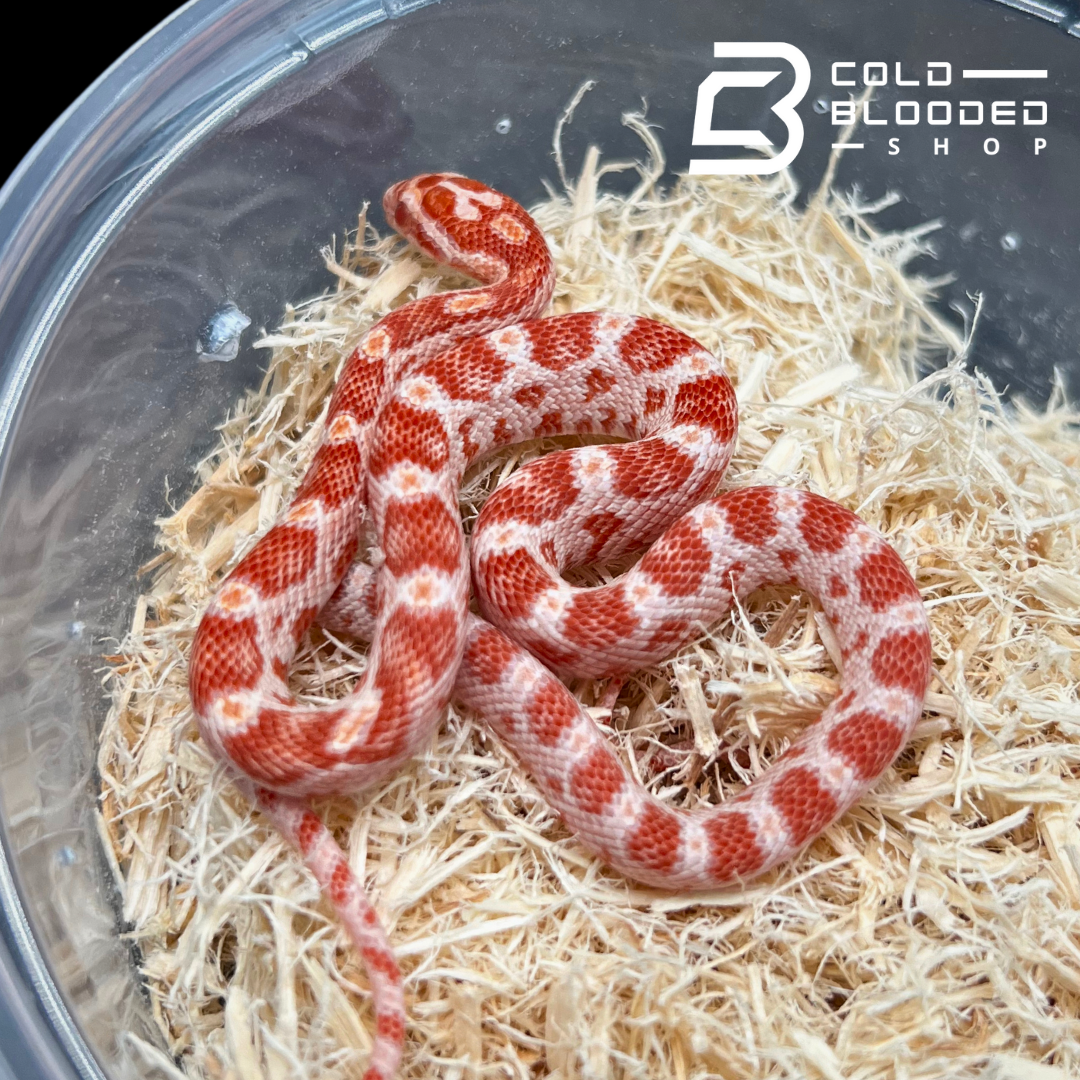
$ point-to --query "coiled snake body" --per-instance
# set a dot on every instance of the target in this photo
(438, 383)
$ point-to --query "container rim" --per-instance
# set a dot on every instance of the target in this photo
(41, 1038)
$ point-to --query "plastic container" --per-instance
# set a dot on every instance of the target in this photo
(206, 168)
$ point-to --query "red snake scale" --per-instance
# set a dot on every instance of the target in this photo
(438, 383)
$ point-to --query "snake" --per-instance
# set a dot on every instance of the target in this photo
(435, 385)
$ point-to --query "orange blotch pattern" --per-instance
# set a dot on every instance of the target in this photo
(552, 711)
(804, 804)
(867, 742)
(359, 385)
(559, 343)
(418, 647)
(655, 400)
(654, 840)
(596, 779)
(467, 372)
(751, 515)
(598, 381)
(551, 423)
(420, 532)
(530, 396)
(438, 202)
(225, 657)
(733, 845)
(679, 563)
(651, 346)
(709, 402)
(390, 1026)
(650, 468)
(668, 635)
(469, 448)
(335, 475)
(493, 239)
(303, 619)
(284, 557)
(515, 579)
(501, 434)
(341, 884)
(596, 620)
(824, 525)
(406, 434)
(550, 492)
(788, 558)
(277, 752)
(902, 660)
(489, 654)
(601, 526)
(308, 831)
(884, 580)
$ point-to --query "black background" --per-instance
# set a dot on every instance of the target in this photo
(73, 48)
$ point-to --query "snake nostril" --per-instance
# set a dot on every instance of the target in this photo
(393, 200)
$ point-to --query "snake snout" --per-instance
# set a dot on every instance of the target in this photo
(411, 204)
(394, 207)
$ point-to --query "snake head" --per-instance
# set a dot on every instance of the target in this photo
(405, 207)
(464, 224)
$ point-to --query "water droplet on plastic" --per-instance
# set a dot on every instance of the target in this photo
(75, 629)
(504, 125)
(66, 856)
(969, 232)
(1010, 242)
(220, 337)
(821, 106)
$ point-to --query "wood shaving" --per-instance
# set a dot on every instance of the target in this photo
(934, 930)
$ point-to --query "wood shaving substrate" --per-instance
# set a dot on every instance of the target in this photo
(933, 931)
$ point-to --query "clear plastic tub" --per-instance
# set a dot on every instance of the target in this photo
(208, 166)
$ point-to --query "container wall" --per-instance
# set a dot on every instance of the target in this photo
(230, 204)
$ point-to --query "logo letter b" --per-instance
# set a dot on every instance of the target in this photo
(706, 135)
